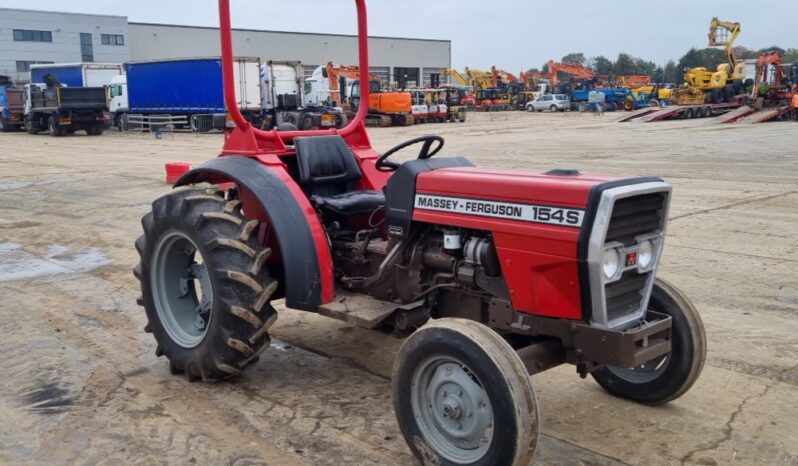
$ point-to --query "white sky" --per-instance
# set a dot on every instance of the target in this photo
(510, 34)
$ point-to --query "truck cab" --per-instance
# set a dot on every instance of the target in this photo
(116, 95)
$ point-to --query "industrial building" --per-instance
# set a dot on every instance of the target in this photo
(29, 37)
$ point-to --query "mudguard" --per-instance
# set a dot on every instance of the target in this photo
(308, 276)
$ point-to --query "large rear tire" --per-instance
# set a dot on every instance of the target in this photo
(666, 378)
(462, 396)
(205, 285)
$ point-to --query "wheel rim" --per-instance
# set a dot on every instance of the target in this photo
(182, 289)
(452, 409)
(644, 373)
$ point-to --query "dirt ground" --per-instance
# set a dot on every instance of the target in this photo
(81, 383)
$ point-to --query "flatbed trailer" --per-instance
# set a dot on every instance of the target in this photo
(64, 110)
(686, 112)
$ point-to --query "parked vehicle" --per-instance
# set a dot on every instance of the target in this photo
(494, 275)
(429, 105)
(283, 86)
(339, 86)
(552, 102)
(78, 74)
(12, 106)
(61, 110)
(176, 90)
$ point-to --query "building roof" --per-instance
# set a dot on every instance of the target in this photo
(215, 28)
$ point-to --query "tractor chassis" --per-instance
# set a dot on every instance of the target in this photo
(556, 341)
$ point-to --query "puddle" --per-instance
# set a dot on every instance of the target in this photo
(18, 264)
(11, 185)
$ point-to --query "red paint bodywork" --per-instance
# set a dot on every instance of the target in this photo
(539, 261)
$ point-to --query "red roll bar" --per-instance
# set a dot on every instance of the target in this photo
(251, 140)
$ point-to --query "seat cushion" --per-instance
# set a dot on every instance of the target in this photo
(353, 202)
(325, 160)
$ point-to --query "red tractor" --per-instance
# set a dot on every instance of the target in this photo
(494, 275)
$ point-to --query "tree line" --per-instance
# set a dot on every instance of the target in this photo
(672, 71)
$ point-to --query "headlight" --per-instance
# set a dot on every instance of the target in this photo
(611, 263)
(645, 254)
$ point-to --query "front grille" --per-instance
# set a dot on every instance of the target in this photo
(635, 215)
(625, 296)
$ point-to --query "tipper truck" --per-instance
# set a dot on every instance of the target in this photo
(11, 106)
(183, 88)
(63, 110)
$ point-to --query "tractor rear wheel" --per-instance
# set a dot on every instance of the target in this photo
(205, 285)
(668, 377)
(462, 396)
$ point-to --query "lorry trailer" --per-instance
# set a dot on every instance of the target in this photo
(176, 90)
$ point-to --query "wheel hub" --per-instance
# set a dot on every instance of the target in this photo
(453, 410)
(182, 289)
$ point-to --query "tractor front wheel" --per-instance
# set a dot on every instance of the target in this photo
(205, 285)
(462, 396)
(668, 377)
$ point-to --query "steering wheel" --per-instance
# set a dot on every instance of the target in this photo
(385, 165)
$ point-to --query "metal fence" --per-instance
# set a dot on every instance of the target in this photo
(133, 122)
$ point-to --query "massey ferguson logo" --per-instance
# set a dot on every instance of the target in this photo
(507, 210)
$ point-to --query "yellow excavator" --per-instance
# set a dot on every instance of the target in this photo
(723, 84)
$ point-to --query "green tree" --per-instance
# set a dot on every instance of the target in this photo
(791, 55)
(574, 59)
(671, 73)
(602, 65)
(624, 65)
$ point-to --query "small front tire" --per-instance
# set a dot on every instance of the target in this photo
(668, 377)
(462, 396)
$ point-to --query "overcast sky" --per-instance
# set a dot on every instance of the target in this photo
(510, 34)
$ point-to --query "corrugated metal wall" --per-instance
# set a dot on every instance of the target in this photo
(152, 42)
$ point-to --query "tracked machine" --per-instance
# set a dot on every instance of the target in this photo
(491, 275)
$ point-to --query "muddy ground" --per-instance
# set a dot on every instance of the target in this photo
(81, 383)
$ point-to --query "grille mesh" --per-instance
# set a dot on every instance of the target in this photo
(633, 216)
(625, 296)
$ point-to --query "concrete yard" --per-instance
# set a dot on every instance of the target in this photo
(81, 383)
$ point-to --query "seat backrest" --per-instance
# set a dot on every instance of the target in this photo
(325, 161)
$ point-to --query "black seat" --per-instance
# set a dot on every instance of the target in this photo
(328, 170)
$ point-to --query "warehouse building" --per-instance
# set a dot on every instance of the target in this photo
(29, 37)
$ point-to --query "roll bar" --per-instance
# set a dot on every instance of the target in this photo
(225, 30)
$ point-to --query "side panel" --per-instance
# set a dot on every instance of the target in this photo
(538, 253)
(180, 87)
(71, 76)
(99, 77)
(307, 261)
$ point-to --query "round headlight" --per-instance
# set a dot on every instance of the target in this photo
(645, 254)
(611, 263)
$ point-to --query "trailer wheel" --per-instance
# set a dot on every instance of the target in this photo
(30, 128)
(462, 396)
(205, 285)
(668, 377)
(53, 129)
(94, 130)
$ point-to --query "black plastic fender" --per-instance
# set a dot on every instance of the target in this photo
(301, 260)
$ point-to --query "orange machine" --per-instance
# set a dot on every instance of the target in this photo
(634, 81)
(385, 108)
(578, 72)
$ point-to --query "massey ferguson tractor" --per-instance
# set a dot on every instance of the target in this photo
(492, 276)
